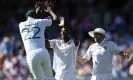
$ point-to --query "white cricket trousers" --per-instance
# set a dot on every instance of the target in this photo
(67, 76)
(107, 76)
(39, 64)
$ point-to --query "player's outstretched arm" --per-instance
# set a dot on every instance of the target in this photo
(81, 60)
(124, 55)
(115, 50)
(45, 7)
(50, 11)
(55, 19)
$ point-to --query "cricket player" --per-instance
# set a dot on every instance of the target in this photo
(65, 51)
(102, 53)
(32, 33)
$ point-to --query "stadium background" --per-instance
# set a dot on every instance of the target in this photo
(115, 16)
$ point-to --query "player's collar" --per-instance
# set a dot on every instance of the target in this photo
(30, 18)
(101, 42)
(70, 40)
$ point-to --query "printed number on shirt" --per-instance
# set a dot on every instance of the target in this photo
(27, 32)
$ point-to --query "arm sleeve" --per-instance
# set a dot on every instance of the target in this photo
(47, 22)
(114, 48)
(88, 54)
(52, 43)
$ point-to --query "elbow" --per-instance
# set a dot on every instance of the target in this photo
(55, 18)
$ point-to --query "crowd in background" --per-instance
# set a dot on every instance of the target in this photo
(81, 16)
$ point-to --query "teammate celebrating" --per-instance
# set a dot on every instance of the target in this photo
(102, 53)
(65, 51)
(32, 33)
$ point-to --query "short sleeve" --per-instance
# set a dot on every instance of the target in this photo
(52, 43)
(47, 22)
(88, 54)
(114, 48)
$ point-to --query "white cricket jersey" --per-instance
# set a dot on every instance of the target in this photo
(102, 55)
(64, 56)
(32, 33)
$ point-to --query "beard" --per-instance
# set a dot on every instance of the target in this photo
(97, 40)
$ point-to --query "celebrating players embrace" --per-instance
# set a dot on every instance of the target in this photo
(65, 49)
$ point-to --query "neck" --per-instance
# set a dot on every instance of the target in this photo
(100, 41)
(66, 40)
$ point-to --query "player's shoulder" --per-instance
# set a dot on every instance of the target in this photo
(40, 20)
(110, 42)
(59, 40)
(93, 44)
(21, 23)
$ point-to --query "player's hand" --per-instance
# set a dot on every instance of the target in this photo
(48, 9)
(126, 56)
(41, 6)
(38, 6)
(61, 22)
(48, 6)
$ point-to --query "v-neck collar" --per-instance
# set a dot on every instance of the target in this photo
(66, 42)
(101, 42)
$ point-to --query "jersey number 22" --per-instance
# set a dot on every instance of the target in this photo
(28, 30)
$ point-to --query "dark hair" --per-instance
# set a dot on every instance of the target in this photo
(31, 13)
